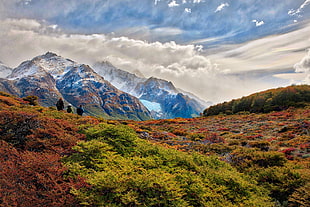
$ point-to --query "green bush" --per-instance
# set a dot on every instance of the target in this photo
(121, 137)
(281, 181)
(270, 171)
(124, 170)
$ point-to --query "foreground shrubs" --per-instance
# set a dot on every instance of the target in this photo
(127, 171)
(110, 166)
(33, 179)
(31, 146)
(270, 170)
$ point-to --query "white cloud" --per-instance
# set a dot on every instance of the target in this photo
(294, 12)
(258, 23)
(221, 7)
(21, 24)
(304, 67)
(54, 26)
(173, 4)
(188, 10)
(197, 1)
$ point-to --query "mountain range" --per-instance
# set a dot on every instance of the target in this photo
(51, 77)
(161, 97)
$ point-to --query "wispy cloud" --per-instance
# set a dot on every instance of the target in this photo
(270, 60)
(166, 31)
(221, 7)
(297, 12)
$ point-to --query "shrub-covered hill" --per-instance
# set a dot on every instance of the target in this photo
(51, 158)
(264, 102)
(272, 148)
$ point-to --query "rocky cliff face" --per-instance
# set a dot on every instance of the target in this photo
(159, 96)
(50, 77)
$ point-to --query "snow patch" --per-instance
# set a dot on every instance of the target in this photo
(4, 71)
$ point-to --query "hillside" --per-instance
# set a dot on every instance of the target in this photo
(264, 102)
(51, 158)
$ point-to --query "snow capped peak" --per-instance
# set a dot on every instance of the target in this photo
(121, 79)
(54, 64)
(162, 85)
(49, 55)
(48, 63)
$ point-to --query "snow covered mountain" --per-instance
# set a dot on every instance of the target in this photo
(159, 96)
(50, 77)
(121, 79)
(4, 70)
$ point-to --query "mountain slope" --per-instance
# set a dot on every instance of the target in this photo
(50, 77)
(159, 96)
(266, 101)
(4, 70)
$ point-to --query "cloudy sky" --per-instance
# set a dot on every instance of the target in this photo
(218, 50)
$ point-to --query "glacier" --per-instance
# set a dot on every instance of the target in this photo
(151, 106)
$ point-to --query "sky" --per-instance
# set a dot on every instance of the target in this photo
(218, 50)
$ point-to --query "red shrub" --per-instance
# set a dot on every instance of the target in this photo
(32, 179)
(213, 138)
(288, 153)
(223, 129)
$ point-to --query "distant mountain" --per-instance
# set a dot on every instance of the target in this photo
(159, 96)
(50, 77)
(4, 70)
(263, 102)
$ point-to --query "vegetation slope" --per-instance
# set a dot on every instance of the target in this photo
(51, 158)
(263, 102)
